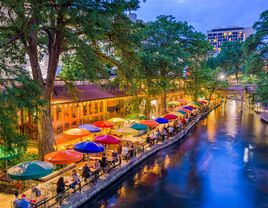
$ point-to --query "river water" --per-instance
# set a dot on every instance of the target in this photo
(222, 163)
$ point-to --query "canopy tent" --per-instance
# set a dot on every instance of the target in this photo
(149, 123)
(139, 126)
(107, 139)
(90, 127)
(63, 157)
(88, 147)
(103, 124)
(76, 132)
(170, 117)
(161, 120)
(30, 170)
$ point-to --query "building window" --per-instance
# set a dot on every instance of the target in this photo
(73, 110)
(66, 111)
(85, 109)
(90, 107)
(58, 112)
(101, 106)
(95, 107)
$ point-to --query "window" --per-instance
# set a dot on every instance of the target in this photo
(58, 112)
(96, 107)
(84, 109)
(101, 106)
(73, 110)
(90, 107)
(66, 111)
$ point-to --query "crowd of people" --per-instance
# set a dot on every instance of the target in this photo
(123, 152)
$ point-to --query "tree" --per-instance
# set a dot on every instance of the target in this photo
(231, 58)
(61, 28)
(256, 50)
(167, 48)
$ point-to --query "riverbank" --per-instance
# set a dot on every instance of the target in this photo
(79, 199)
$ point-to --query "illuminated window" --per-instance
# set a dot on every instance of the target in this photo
(230, 39)
(215, 40)
(230, 33)
(225, 34)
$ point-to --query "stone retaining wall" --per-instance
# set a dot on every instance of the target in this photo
(78, 199)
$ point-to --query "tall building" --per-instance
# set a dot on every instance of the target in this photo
(218, 36)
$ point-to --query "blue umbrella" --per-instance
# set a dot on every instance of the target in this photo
(139, 127)
(90, 127)
(88, 147)
(162, 120)
(187, 107)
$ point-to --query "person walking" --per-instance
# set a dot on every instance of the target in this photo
(86, 173)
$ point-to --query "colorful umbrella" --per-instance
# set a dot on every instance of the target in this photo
(107, 139)
(162, 120)
(188, 108)
(103, 124)
(91, 128)
(196, 104)
(149, 123)
(135, 116)
(191, 106)
(182, 101)
(63, 157)
(170, 117)
(173, 103)
(88, 147)
(76, 132)
(178, 114)
(126, 131)
(139, 126)
(182, 111)
(30, 170)
(117, 120)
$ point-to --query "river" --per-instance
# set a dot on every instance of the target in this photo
(222, 163)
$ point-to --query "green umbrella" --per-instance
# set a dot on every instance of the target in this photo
(173, 103)
(7, 154)
(197, 103)
(30, 170)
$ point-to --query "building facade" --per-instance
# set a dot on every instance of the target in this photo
(217, 37)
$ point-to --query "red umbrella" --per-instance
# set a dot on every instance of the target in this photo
(149, 123)
(103, 124)
(170, 117)
(107, 139)
(63, 157)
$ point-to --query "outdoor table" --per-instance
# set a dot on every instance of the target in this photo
(35, 200)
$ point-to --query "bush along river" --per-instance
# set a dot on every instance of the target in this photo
(223, 162)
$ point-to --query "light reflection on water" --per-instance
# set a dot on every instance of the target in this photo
(223, 163)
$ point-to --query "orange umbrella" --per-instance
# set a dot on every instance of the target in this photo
(149, 123)
(76, 132)
(103, 124)
(63, 157)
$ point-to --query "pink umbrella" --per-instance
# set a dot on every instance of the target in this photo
(107, 139)
(170, 117)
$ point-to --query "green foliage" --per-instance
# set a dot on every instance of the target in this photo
(256, 50)
(231, 58)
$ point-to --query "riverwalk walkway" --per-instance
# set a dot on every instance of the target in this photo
(88, 189)
(88, 192)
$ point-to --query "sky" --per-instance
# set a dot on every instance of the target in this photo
(205, 14)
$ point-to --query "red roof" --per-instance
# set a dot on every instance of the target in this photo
(87, 92)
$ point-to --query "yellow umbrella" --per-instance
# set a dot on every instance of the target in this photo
(126, 131)
(117, 120)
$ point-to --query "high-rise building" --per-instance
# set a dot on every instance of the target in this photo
(218, 36)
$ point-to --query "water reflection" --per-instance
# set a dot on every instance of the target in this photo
(223, 163)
